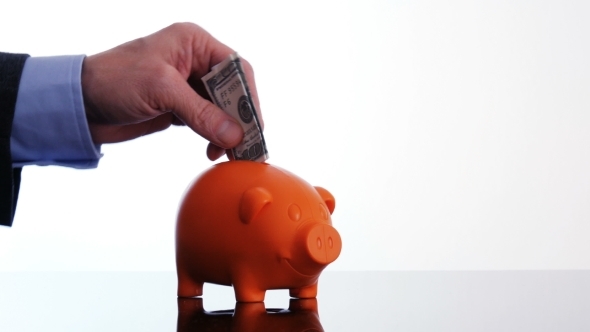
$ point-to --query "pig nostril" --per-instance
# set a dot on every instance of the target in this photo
(330, 243)
(319, 243)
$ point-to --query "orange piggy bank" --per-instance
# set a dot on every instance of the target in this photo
(255, 227)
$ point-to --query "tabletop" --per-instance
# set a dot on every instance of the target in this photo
(347, 301)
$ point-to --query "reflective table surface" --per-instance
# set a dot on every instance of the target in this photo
(347, 301)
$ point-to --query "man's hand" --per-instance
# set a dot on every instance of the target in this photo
(146, 85)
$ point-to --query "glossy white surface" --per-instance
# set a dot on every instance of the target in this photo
(348, 301)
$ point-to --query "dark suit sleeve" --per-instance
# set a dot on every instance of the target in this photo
(11, 67)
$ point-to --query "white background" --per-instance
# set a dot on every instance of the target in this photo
(453, 134)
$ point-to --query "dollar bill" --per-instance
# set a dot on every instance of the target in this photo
(228, 88)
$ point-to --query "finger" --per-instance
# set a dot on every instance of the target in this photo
(201, 115)
(176, 121)
(102, 133)
(249, 72)
(229, 154)
(214, 152)
(158, 123)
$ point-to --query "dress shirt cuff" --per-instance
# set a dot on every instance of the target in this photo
(50, 126)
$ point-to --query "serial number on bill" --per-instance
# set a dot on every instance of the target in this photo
(234, 86)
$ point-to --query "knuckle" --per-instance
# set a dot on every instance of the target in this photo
(246, 64)
(204, 116)
(183, 27)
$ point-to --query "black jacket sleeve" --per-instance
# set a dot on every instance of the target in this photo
(11, 67)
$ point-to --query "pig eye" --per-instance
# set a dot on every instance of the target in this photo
(294, 212)
(324, 211)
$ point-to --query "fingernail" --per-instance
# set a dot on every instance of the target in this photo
(229, 133)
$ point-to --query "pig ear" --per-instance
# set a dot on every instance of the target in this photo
(253, 200)
(327, 198)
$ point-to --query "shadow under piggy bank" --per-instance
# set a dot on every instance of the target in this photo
(302, 316)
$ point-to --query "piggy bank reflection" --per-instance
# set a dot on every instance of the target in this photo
(255, 227)
(302, 316)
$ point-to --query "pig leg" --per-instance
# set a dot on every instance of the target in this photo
(245, 293)
(247, 290)
(187, 287)
(305, 292)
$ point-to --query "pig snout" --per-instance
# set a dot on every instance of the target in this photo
(317, 245)
(322, 243)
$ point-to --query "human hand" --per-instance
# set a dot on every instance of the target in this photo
(146, 85)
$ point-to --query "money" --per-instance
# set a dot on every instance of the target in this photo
(227, 86)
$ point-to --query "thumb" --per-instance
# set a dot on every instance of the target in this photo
(202, 116)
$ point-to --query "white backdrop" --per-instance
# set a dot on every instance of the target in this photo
(454, 135)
